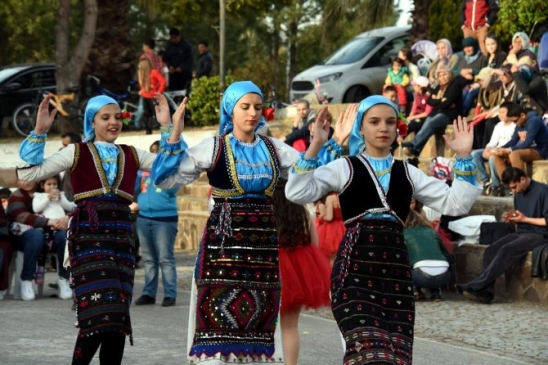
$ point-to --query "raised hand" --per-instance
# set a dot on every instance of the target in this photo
(344, 124)
(321, 127)
(178, 122)
(162, 110)
(44, 119)
(461, 144)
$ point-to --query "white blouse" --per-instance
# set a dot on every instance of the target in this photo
(455, 200)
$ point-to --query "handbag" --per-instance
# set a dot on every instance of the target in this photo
(539, 265)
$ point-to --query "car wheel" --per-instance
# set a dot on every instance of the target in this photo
(24, 119)
(356, 94)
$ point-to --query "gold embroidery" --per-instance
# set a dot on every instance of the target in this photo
(466, 173)
(269, 191)
(233, 174)
(298, 170)
(97, 160)
(76, 156)
(120, 172)
(36, 140)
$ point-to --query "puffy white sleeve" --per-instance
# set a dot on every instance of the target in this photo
(146, 159)
(309, 186)
(39, 202)
(434, 193)
(288, 155)
(51, 166)
(194, 161)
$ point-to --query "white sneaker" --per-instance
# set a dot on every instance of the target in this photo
(65, 292)
(27, 290)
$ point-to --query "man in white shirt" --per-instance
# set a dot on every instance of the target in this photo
(501, 135)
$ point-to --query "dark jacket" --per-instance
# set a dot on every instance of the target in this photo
(534, 94)
(451, 103)
(205, 64)
(535, 133)
(179, 55)
(478, 13)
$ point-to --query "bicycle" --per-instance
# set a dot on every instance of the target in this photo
(24, 117)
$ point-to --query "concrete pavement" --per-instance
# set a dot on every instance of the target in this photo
(42, 332)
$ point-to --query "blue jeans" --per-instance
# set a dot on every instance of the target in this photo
(482, 172)
(32, 242)
(424, 280)
(157, 240)
(432, 125)
(468, 98)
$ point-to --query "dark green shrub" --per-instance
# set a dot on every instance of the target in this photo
(205, 100)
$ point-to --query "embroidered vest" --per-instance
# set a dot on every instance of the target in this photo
(223, 176)
(89, 179)
(364, 194)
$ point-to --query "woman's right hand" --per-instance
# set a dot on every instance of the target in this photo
(44, 119)
(178, 122)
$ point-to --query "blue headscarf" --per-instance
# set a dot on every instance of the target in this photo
(232, 94)
(93, 106)
(356, 142)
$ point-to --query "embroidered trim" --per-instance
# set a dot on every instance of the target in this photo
(76, 156)
(245, 163)
(120, 172)
(232, 173)
(274, 163)
(167, 129)
(217, 148)
(465, 173)
(109, 159)
(36, 140)
(246, 144)
(297, 170)
(350, 177)
(406, 168)
(99, 167)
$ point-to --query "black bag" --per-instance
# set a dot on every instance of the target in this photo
(539, 265)
(493, 231)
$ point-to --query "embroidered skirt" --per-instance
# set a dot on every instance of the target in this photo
(237, 286)
(372, 294)
(102, 265)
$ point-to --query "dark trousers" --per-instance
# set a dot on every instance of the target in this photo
(32, 242)
(149, 114)
(111, 353)
(432, 125)
(502, 254)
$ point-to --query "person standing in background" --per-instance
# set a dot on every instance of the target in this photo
(205, 61)
(178, 57)
(477, 16)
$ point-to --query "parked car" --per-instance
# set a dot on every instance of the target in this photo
(356, 70)
(19, 84)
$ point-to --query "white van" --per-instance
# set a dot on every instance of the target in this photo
(356, 70)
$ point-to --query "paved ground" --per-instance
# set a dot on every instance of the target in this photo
(453, 332)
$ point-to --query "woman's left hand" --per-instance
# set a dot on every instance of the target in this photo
(461, 144)
(162, 110)
(321, 127)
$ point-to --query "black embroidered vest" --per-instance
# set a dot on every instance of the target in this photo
(223, 176)
(364, 194)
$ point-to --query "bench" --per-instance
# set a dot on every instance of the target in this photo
(16, 268)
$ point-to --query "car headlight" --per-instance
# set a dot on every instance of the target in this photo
(330, 78)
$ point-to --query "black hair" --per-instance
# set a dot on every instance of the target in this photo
(407, 52)
(174, 31)
(74, 137)
(151, 43)
(155, 143)
(497, 41)
(512, 175)
(5, 193)
(514, 110)
(398, 61)
(205, 43)
(389, 88)
(40, 189)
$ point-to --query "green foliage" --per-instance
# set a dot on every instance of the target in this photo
(444, 21)
(519, 15)
(205, 100)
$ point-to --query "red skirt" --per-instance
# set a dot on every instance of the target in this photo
(305, 278)
(330, 235)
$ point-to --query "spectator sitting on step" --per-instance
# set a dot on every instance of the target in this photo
(446, 100)
(502, 134)
(427, 256)
(529, 141)
(420, 109)
(32, 241)
(51, 203)
(530, 216)
(6, 252)
(4, 196)
(303, 118)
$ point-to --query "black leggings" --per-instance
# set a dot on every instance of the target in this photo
(111, 353)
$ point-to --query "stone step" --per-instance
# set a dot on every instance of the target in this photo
(191, 203)
(191, 227)
(197, 189)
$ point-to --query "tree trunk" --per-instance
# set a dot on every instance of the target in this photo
(293, 28)
(69, 67)
(111, 58)
(419, 28)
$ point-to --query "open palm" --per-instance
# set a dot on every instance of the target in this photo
(178, 121)
(44, 118)
(344, 123)
(463, 138)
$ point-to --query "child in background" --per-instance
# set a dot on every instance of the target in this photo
(420, 109)
(427, 256)
(52, 204)
(330, 225)
(304, 270)
(4, 197)
(398, 76)
(151, 82)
